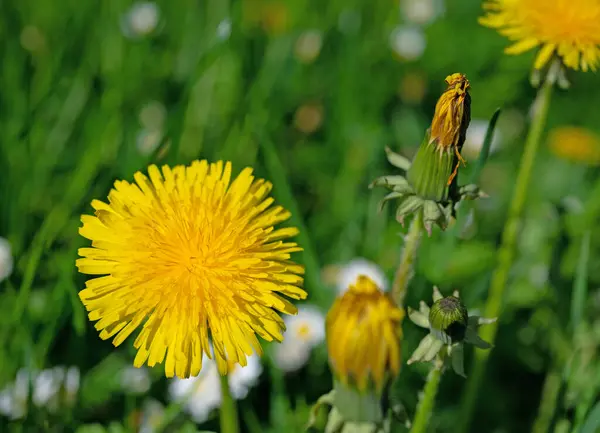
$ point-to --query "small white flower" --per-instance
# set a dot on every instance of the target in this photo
(147, 141)
(135, 380)
(152, 116)
(224, 29)
(241, 379)
(348, 274)
(46, 387)
(152, 414)
(475, 136)
(308, 46)
(141, 19)
(200, 394)
(421, 12)
(13, 398)
(308, 326)
(6, 260)
(291, 356)
(408, 42)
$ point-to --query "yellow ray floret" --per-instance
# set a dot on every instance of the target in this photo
(190, 256)
(569, 28)
(363, 335)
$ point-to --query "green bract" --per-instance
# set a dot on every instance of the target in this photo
(425, 187)
(450, 327)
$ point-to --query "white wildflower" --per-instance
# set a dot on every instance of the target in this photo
(408, 42)
(348, 274)
(6, 259)
(147, 141)
(224, 29)
(135, 380)
(308, 46)
(141, 19)
(421, 12)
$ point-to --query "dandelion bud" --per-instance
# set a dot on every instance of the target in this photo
(435, 166)
(448, 319)
(363, 336)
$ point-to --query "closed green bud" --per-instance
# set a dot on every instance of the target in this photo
(430, 170)
(448, 320)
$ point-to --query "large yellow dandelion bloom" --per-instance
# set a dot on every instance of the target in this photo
(363, 335)
(575, 144)
(568, 27)
(193, 256)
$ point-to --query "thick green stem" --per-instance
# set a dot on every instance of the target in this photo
(405, 269)
(228, 415)
(425, 407)
(507, 248)
(548, 404)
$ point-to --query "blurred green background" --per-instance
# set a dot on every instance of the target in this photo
(308, 93)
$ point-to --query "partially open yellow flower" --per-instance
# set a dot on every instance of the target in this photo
(363, 335)
(190, 255)
(567, 27)
(575, 144)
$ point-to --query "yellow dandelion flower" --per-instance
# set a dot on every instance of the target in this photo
(363, 335)
(575, 144)
(567, 27)
(194, 257)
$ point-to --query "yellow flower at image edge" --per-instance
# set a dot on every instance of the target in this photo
(363, 335)
(575, 144)
(567, 27)
(192, 256)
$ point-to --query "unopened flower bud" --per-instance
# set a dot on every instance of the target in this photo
(448, 319)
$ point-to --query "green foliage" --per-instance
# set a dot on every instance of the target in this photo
(71, 91)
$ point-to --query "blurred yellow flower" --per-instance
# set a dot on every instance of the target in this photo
(363, 335)
(567, 27)
(191, 256)
(575, 144)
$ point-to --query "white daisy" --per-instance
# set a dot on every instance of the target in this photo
(421, 12)
(308, 46)
(408, 42)
(303, 332)
(46, 388)
(135, 380)
(13, 398)
(6, 260)
(349, 273)
(475, 136)
(241, 379)
(141, 19)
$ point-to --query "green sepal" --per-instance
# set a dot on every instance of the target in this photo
(408, 206)
(397, 160)
(389, 181)
(320, 412)
(457, 356)
(355, 406)
(430, 171)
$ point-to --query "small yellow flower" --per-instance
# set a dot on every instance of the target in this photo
(363, 335)
(189, 255)
(566, 27)
(575, 144)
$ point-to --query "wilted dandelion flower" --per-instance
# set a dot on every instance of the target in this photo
(363, 336)
(566, 27)
(191, 255)
(575, 144)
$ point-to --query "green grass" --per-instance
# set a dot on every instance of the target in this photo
(69, 107)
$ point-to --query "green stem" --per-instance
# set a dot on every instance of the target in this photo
(547, 408)
(425, 407)
(228, 415)
(405, 269)
(507, 248)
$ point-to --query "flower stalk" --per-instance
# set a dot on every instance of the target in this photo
(228, 416)
(506, 252)
(406, 266)
(427, 402)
